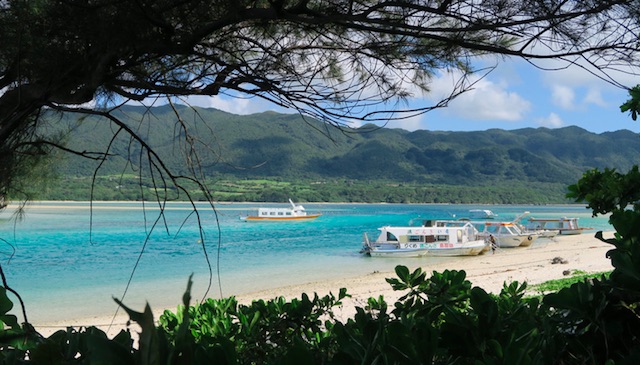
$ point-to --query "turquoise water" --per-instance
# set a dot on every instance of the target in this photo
(59, 256)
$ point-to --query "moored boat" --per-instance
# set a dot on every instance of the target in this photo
(279, 214)
(506, 234)
(481, 214)
(425, 241)
(535, 233)
(542, 233)
(563, 226)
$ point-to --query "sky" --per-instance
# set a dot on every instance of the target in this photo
(515, 95)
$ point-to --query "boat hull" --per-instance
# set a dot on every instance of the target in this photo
(391, 250)
(462, 251)
(528, 240)
(566, 232)
(253, 218)
(546, 233)
(396, 253)
(508, 241)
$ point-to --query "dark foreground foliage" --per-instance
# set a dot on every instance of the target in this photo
(440, 319)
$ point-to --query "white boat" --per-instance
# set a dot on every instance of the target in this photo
(563, 226)
(537, 229)
(275, 214)
(541, 233)
(425, 241)
(506, 234)
(482, 214)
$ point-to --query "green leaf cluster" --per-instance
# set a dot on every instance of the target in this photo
(260, 333)
(632, 105)
(441, 319)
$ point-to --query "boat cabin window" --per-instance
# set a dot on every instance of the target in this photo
(429, 238)
(415, 239)
(478, 226)
(391, 237)
(288, 213)
(492, 229)
(280, 213)
(442, 237)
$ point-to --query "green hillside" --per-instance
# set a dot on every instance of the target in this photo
(269, 156)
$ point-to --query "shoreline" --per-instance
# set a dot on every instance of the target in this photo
(582, 253)
(46, 203)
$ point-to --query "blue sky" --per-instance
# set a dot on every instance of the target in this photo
(515, 95)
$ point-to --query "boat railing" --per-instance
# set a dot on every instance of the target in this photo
(517, 219)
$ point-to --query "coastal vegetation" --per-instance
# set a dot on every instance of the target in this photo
(273, 157)
(576, 277)
(132, 189)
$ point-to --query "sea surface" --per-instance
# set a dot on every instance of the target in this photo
(70, 259)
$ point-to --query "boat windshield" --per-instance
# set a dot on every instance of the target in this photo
(511, 230)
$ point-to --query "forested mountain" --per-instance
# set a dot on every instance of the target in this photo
(289, 148)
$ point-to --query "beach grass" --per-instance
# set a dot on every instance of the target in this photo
(557, 284)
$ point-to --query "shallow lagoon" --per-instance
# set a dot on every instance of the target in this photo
(63, 256)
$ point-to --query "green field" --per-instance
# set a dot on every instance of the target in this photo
(274, 190)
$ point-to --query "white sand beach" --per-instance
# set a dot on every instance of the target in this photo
(534, 265)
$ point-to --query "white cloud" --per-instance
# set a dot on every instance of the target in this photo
(563, 96)
(579, 96)
(574, 87)
(570, 77)
(594, 96)
(553, 120)
(410, 124)
(227, 104)
(238, 104)
(355, 124)
(487, 100)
